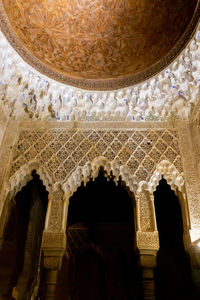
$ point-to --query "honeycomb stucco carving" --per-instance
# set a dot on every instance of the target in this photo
(171, 94)
(171, 174)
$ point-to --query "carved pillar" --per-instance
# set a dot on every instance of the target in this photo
(53, 244)
(189, 140)
(191, 177)
(55, 211)
(54, 247)
(147, 241)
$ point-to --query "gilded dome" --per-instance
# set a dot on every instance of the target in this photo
(99, 44)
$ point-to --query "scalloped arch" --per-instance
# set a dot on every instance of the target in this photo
(23, 175)
(173, 177)
(17, 182)
(91, 170)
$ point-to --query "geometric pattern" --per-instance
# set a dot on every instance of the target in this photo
(60, 151)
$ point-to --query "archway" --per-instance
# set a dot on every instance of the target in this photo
(100, 234)
(22, 240)
(173, 273)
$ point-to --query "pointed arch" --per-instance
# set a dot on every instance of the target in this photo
(21, 176)
(170, 173)
(91, 170)
(16, 183)
(176, 182)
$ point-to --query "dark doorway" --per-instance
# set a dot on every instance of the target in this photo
(173, 273)
(22, 238)
(101, 219)
(90, 267)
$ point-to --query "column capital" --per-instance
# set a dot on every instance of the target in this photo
(147, 241)
(53, 248)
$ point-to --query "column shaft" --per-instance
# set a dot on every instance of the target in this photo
(48, 284)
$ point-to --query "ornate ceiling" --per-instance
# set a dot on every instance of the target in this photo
(25, 93)
(101, 44)
(169, 95)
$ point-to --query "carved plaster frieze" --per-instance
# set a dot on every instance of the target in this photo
(171, 94)
(64, 158)
(63, 152)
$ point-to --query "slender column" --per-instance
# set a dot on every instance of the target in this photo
(54, 247)
(148, 264)
(191, 176)
(147, 240)
(148, 245)
(48, 284)
(53, 244)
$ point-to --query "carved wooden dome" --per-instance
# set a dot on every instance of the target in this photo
(99, 44)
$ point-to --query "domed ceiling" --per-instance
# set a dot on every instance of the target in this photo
(99, 44)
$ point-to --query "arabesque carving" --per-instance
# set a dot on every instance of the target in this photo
(68, 157)
(65, 157)
(60, 151)
(145, 211)
(92, 44)
(147, 240)
(54, 219)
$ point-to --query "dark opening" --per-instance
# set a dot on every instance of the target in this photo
(173, 273)
(24, 227)
(101, 220)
